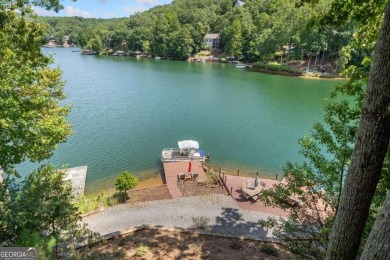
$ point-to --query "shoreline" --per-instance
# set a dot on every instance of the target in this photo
(148, 180)
(147, 183)
(266, 71)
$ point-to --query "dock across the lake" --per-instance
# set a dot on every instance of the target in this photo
(171, 171)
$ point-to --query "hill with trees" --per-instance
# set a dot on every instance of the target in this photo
(255, 31)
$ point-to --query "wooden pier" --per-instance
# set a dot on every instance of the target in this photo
(77, 176)
(172, 169)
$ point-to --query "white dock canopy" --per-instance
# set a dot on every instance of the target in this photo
(188, 144)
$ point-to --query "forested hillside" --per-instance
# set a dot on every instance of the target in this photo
(257, 30)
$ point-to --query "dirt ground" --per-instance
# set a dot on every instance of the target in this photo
(192, 188)
(149, 194)
(188, 188)
(328, 67)
(158, 244)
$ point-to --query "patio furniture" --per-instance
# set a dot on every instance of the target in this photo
(249, 184)
(250, 192)
(194, 176)
(181, 177)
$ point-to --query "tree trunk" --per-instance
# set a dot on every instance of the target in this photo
(322, 57)
(378, 243)
(315, 62)
(367, 158)
(288, 52)
(308, 63)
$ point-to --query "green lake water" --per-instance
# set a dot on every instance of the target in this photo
(126, 110)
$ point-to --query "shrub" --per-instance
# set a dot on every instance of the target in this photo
(235, 244)
(276, 67)
(119, 254)
(201, 223)
(212, 177)
(269, 250)
(125, 240)
(126, 181)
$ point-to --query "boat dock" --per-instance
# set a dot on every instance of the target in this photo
(77, 176)
(172, 169)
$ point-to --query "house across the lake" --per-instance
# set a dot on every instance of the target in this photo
(212, 40)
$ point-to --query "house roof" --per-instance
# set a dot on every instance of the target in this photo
(212, 36)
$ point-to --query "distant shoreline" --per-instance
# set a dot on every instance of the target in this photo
(206, 59)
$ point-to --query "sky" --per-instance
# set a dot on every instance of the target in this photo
(103, 8)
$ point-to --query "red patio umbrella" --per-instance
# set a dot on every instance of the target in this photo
(189, 166)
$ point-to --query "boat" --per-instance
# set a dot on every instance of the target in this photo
(243, 66)
(188, 151)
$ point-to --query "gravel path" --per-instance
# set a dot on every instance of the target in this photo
(225, 217)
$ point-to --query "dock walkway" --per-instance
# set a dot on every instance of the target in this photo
(77, 176)
(172, 169)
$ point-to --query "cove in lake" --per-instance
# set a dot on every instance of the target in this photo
(126, 110)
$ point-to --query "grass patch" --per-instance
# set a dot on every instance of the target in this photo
(93, 202)
(204, 53)
(329, 76)
(142, 250)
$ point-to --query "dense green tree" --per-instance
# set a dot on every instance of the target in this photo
(159, 42)
(59, 36)
(263, 28)
(233, 39)
(32, 121)
(344, 57)
(41, 210)
(197, 33)
(181, 44)
(95, 44)
(146, 47)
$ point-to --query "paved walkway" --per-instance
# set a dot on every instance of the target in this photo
(225, 217)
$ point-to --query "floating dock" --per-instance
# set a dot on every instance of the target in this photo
(172, 169)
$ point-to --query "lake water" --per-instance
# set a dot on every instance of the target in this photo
(125, 110)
